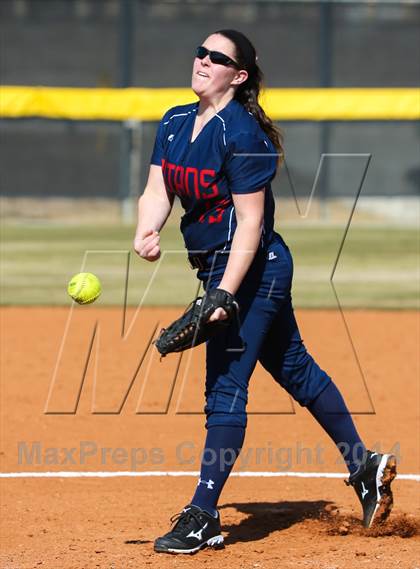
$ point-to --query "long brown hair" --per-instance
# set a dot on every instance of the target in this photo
(248, 92)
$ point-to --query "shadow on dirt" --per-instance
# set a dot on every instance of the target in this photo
(319, 517)
(266, 517)
(397, 525)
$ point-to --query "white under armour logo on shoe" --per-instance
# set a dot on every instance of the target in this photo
(198, 533)
(209, 483)
(364, 491)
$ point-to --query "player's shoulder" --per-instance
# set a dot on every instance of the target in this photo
(241, 126)
(178, 112)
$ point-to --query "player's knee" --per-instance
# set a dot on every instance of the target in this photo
(226, 408)
(303, 379)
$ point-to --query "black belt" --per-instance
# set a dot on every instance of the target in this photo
(211, 259)
(207, 260)
(197, 261)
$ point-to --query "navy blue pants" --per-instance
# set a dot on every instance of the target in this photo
(266, 332)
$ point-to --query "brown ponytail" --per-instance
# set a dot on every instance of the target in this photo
(248, 92)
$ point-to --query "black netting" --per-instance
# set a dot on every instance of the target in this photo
(76, 42)
(65, 158)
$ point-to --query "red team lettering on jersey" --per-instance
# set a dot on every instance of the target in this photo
(189, 181)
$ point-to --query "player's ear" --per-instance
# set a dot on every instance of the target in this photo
(240, 77)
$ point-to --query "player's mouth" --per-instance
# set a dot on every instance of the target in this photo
(202, 74)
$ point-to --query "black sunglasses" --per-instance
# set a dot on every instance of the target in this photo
(215, 57)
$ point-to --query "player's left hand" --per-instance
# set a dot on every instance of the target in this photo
(218, 314)
(205, 317)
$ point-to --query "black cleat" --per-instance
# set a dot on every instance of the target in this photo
(194, 529)
(372, 483)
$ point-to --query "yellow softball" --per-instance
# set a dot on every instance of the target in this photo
(84, 288)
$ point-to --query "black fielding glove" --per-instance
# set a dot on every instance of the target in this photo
(193, 327)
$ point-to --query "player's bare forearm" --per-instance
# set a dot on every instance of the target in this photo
(154, 208)
(244, 246)
(153, 211)
(154, 205)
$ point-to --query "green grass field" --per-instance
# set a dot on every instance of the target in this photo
(378, 267)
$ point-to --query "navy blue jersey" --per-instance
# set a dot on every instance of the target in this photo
(231, 155)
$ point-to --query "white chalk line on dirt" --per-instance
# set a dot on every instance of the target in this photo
(161, 473)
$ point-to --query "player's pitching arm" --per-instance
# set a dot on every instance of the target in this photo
(154, 207)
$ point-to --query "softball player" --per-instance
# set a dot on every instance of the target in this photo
(219, 156)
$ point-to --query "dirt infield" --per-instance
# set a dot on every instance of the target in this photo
(103, 425)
